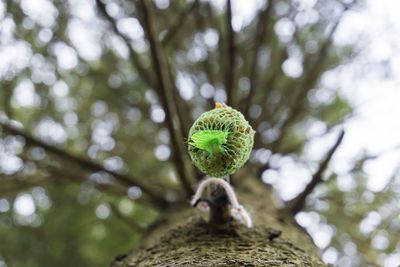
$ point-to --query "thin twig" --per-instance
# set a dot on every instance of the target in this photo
(299, 202)
(165, 88)
(85, 163)
(231, 53)
(129, 221)
(73, 176)
(179, 22)
(183, 112)
(8, 92)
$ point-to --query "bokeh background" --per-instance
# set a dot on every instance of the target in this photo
(77, 75)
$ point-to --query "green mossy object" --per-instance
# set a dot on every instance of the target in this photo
(220, 141)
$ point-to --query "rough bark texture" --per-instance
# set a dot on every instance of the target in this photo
(185, 238)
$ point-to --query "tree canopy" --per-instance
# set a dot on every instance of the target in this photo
(97, 99)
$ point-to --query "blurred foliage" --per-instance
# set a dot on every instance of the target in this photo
(80, 76)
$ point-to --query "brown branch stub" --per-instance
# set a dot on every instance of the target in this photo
(85, 163)
(298, 203)
(165, 89)
(231, 57)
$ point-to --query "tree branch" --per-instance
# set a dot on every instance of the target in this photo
(231, 53)
(311, 77)
(19, 183)
(165, 88)
(8, 92)
(179, 22)
(134, 56)
(129, 221)
(264, 19)
(86, 164)
(299, 202)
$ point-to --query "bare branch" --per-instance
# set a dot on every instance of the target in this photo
(179, 22)
(231, 53)
(18, 184)
(299, 202)
(132, 53)
(129, 221)
(311, 77)
(85, 163)
(7, 91)
(264, 18)
(203, 22)
(165, 88)
(76, 177)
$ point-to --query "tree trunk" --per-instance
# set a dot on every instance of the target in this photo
(185, 238)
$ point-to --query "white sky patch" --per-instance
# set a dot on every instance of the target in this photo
(323, 235)
(375, 96)
(85, 38)
(293, 67)
(45, 35)
(131, 28)
(14, 57)
(24, 95)
(242, 11)
(381, 170)
(242, 14)
(370, 222)
(114, 163)
(67, 57)
(134, 192)
(330, 255)
(211, 38)
(207, 90)
(2, 10)
(119, 46)
(84, 10)
(157, 114)
(60, 89)
(289, 179)
(103, 211)
(51, 130)
(4, 205)
(162, 152)
(285, 29)
(162, 4)
(42, 12)
(197, 53)
(102, 131)
(185, 85)
(24, 205)
(7, 27)
(113, 9)
(9, 164)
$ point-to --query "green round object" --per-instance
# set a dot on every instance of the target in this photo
(220, 141)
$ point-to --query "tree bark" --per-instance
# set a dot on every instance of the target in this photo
(185, 238)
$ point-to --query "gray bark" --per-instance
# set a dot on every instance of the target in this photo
(185, 238)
